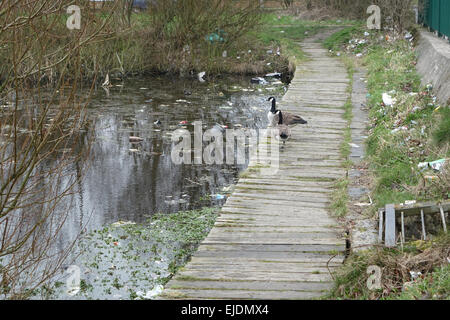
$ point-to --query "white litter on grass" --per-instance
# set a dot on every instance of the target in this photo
(387, 100)
(399, 129)
(435, 165)
(415, 274)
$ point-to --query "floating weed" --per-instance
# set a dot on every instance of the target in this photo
(117, 262)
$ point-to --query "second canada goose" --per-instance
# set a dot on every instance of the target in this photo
(284, 132)
(288, 118)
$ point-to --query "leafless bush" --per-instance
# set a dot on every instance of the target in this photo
(39, 134)
(180, 27)
(396, 14)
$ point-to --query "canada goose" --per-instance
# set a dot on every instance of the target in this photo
(272, 115)
(284, 132)
(288, 118)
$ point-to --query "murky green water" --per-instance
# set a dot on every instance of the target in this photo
(132, 182)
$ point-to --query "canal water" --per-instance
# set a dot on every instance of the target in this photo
(128, 183)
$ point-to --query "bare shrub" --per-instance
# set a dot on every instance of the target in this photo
(180, 29)
(40, 129)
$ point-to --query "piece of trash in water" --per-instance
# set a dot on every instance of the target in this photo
(136, 139)
(200, 76)
(218, 196)
(182, 123)
(106, 83)
(151, 293)
(273, 75)
(258, 80)
(121, 223)
(157, 122)
(174, 202)
(226, 189)
(387, 100)
(134, 150)
(116, 243)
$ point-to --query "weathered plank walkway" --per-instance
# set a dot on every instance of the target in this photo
(275, 236)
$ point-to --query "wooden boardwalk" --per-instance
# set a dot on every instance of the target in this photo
(275, 236)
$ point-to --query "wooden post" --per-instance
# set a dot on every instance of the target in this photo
(403, 227)
(424, 235)
(380, 225)
(443, 218)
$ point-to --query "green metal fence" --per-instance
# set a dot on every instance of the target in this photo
(436, 15)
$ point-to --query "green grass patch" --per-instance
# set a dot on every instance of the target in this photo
(414, 129)
(335, 41)
(442, 133)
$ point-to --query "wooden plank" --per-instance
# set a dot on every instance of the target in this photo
(422, 218)
(236, 275)
(239, 295)
(252, 285)
(427, 207)
(380, 226)
(222, 247)
(444, 224)
(390, 235)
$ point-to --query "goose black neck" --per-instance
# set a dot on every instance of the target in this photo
(274, 105)
(280, 120)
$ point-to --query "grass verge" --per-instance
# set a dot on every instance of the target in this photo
(413, 129)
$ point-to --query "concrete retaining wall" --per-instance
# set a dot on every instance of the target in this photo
(434, 64)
